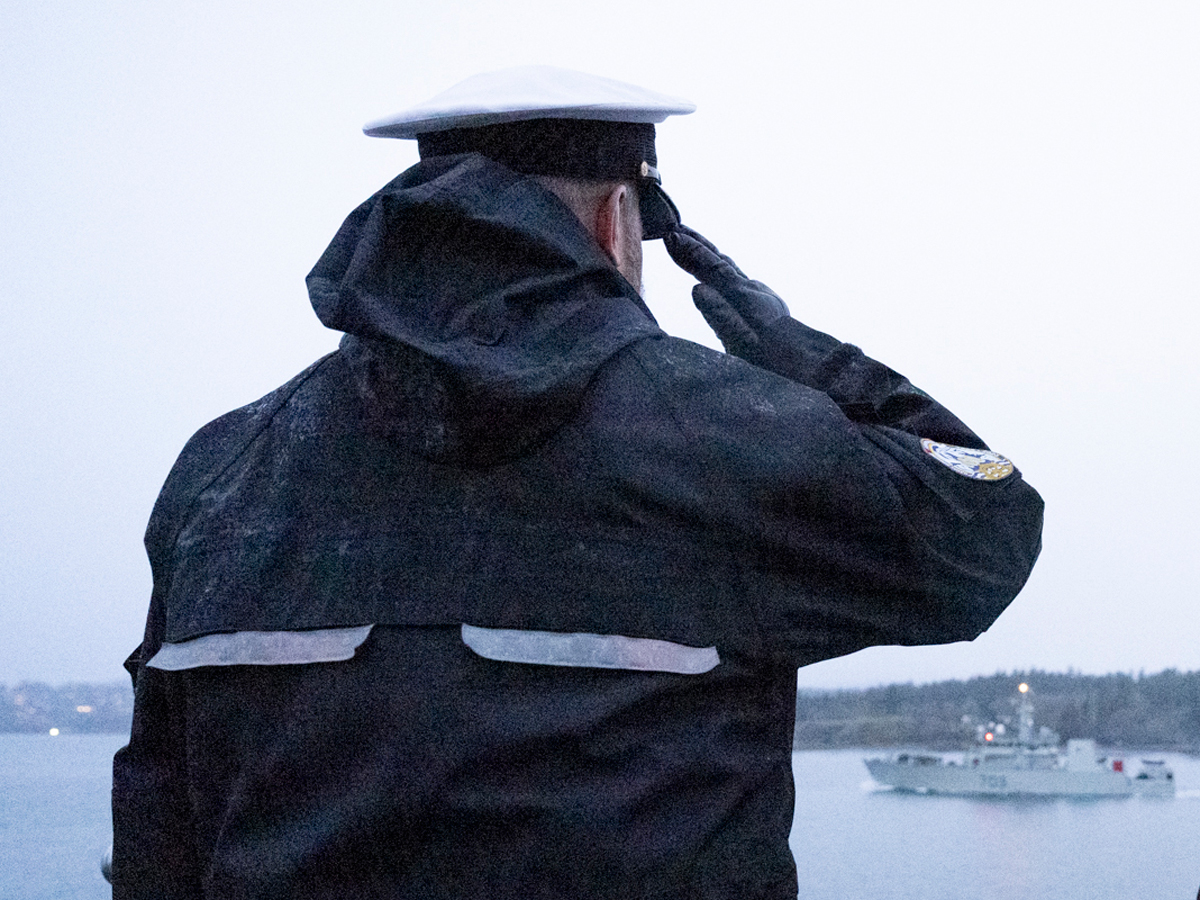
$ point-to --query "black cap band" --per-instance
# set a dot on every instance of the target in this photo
(574, 148)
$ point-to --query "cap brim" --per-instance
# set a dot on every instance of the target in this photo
(530, 92)
(660, 216)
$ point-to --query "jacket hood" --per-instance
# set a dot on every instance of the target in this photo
(477, 309)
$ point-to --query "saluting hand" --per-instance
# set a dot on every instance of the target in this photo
(735, 307)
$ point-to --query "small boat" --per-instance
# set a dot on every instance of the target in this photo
(1155, 778)
(1028, 764)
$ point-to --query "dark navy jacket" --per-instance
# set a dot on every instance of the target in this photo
(506, 597)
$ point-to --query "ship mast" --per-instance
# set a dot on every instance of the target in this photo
(1025, 716)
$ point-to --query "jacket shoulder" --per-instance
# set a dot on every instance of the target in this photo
(211, 450)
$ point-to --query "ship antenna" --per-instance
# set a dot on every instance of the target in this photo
(1025, 715)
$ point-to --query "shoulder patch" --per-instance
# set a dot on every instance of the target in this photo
(982, 465)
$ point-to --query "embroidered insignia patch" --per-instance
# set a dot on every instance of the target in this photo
(982, 465)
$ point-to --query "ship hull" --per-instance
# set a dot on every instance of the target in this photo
(959, 780)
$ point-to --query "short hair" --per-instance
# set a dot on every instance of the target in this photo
(583, 195)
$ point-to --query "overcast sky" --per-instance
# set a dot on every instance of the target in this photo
(1001, 200)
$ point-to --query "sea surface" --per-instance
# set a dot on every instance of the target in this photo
(55, 822)
(854, 840)
(851, 840)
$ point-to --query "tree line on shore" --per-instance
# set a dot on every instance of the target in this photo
(32, 707)
(1120, 711)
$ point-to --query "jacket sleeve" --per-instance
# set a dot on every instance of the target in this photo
(867, 392)
(849, 532)
(924, 550)
(154, 840)
(154, 852)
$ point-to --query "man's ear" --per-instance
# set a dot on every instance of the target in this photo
(611, 217)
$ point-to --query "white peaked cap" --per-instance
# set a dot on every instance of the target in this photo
(530, 92)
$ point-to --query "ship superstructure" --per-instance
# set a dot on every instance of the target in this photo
(1030, 762)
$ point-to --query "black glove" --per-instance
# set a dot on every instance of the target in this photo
(735, 307)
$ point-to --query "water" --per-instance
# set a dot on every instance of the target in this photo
(54, 815)
(850, 841)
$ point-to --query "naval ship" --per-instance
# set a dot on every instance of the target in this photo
(1026, 764)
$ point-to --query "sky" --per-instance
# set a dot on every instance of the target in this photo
(1001, 201)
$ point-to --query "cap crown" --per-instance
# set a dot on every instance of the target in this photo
(530, 92)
